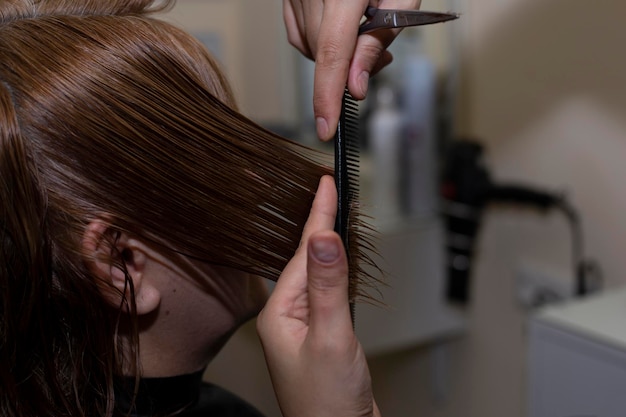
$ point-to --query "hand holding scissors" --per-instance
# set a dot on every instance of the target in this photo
(327, 31)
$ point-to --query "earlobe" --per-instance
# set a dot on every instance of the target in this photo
(111, 256)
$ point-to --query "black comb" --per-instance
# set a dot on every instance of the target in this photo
(347, 150)
(347, 181)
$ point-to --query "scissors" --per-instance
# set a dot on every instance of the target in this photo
(389, 18)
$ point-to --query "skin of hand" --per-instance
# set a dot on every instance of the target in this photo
(316, 363)
(327, 32)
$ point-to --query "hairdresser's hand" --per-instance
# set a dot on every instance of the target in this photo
(326, 31)
(317, 365)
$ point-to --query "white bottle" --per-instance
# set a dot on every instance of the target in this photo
(419, 149)
(385, 129)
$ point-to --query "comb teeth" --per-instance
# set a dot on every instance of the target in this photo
(347, 181)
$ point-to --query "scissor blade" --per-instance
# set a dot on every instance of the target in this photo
(419, 18)
(385, 19)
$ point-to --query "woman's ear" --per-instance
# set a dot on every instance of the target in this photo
(111, 255)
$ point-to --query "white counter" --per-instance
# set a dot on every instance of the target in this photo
(577, 358)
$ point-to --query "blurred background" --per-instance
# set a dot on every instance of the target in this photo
(489, 294)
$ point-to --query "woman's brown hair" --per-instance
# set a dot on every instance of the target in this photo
(108, 113)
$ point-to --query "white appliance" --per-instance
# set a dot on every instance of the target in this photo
(577, 358)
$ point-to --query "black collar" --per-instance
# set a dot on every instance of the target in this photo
(158, 396)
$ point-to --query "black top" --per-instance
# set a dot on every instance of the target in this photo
(184, 395)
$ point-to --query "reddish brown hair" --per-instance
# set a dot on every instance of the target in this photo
(108, 113)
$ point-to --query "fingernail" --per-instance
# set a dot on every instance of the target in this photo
(364, 79)
(325, 250)
(322, 127)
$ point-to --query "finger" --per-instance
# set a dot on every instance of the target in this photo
(370, 56)
(386, 59)
(400, 4)
(294, 24)
(321, 217)
(312, 14)
(327, 270)
(335, 47)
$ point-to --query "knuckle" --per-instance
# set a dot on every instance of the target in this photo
(324, 286)
(320, 105)
(329, 56)
(372, 52)
(326, 102)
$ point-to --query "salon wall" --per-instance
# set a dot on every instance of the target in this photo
(248, 38)
(543, 88)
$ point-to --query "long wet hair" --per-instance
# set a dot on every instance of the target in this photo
(109, 113)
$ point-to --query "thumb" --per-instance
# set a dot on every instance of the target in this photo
(327, 270)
